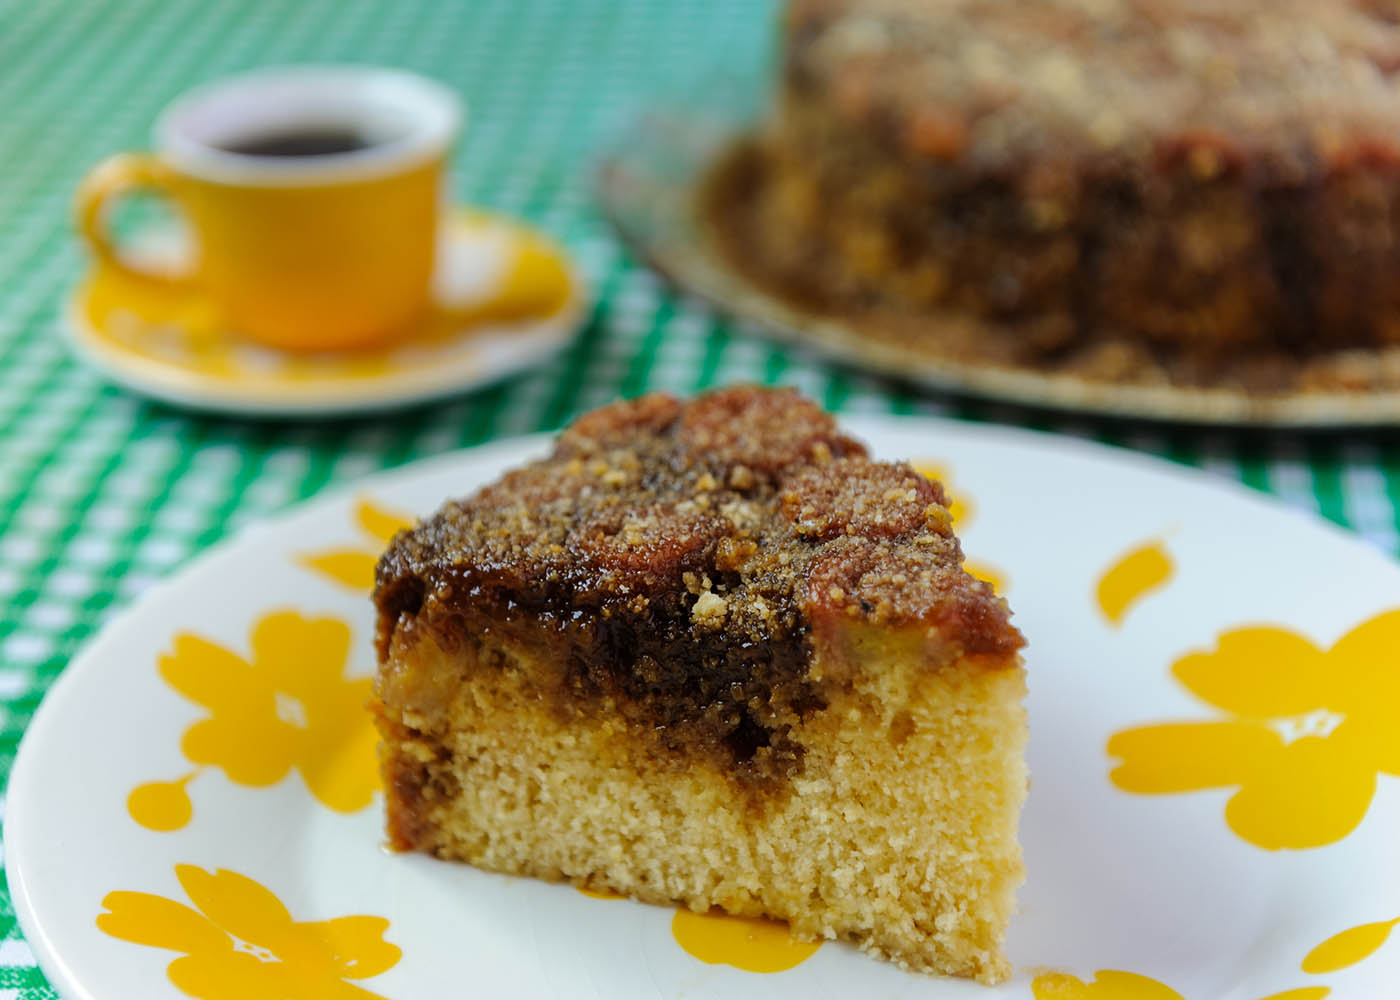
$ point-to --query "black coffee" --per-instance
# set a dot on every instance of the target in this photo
(300, 142)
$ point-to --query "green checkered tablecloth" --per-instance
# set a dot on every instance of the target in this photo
(102, 493)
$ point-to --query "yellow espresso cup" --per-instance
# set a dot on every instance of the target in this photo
(313, 195)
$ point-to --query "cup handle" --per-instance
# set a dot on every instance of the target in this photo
(114, 177)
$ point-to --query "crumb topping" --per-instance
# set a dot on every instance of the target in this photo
(994, 79)
(682, 554)
(744, 487)
(881, 581)
(859, 497)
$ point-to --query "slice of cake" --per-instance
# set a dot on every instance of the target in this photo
(711, 653)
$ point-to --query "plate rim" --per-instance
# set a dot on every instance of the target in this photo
(86, 658)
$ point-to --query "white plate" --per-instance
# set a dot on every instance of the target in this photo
(1157, 886)
(168, 346)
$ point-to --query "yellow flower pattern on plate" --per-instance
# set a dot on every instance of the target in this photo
(239, 942)
(1108, 984)
(1308, 731)
(960, 509)
(1130, 579)
(1348, 948)
(287, 706)
(354, 567)
(747, 943)
(600, 893)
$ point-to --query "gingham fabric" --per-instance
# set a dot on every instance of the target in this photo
(101, 493)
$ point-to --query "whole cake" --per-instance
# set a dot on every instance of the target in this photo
(711, 653)
(1165, 191)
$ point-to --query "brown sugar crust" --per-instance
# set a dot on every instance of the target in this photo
(856, 497)
(1271, 82)
(1141, 191)
(883, 582)
(678, 557)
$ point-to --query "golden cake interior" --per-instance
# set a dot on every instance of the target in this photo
(712, 654)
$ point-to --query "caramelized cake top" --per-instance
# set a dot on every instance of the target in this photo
(678, 556)
(1286, 82)
(748, 500)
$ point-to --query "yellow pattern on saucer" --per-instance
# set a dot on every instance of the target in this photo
(505, 296)
(352, 566)
(288, 706)
(239, 942)
(1306, 735)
